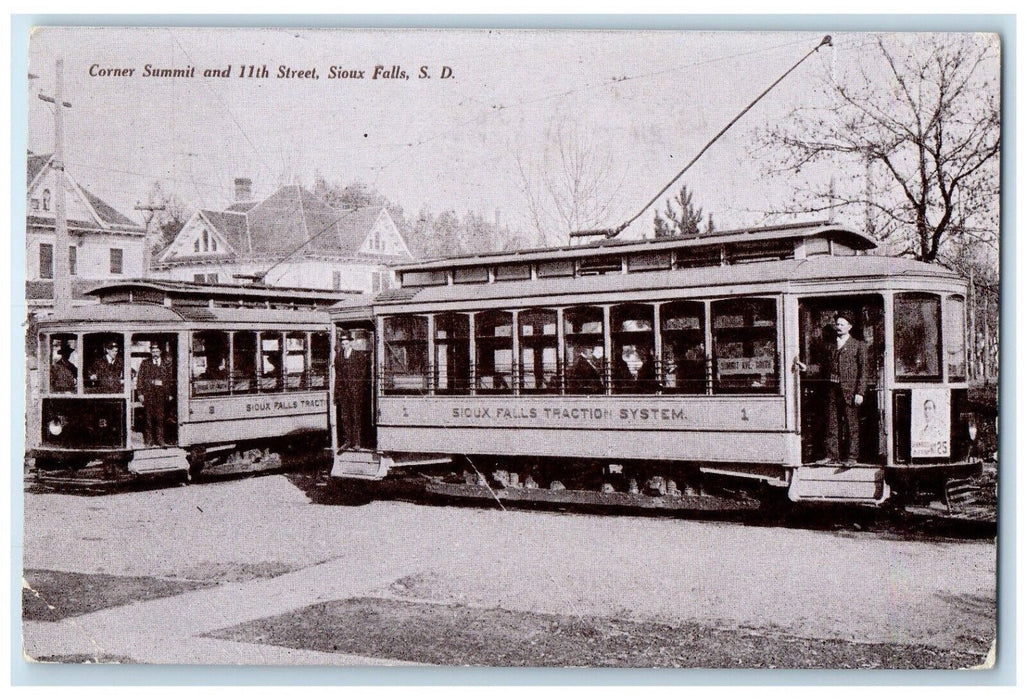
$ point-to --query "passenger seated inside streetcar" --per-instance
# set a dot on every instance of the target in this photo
(63, 372)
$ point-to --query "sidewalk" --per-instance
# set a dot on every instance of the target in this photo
(169, 630)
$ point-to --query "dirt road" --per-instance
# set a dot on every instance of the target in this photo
(246, 551)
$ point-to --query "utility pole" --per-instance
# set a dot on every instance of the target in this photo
(973, 326)
(62, 241)
(153, 209)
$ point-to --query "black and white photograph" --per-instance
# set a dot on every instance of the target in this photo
(511, 348)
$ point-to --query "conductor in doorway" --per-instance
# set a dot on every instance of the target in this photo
(352, 393)
(845, 370)
(154, 384)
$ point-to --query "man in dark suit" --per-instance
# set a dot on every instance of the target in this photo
(582, 376)
(155, 384)
(845, 370)
(107, 373)
(63, 372)
(352, 393)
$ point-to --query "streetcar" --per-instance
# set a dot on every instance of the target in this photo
(708, 352)
(248, 378)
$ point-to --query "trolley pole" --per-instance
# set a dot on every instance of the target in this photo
(62, 241)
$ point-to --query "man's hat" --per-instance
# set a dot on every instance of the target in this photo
(64, 350)
(111, 344)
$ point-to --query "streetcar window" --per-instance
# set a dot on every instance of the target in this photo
(470, 275)
(104, 362)
(539, 351)
(244, 362)
(633, 370)
(208, 371)
(319, 353)
(600, 265)
(556, 268)
(452, 354)
(760, 251)
(817, 246)
(917, 346)
(64, 363)
(295, 361)
(706, 256)
(745, 346)
(955, 338)
(505, 273)
(426, 278)
(585, 364)
(493, 335)
(270, 361)
(405, 369)
(683, 362)
(638, 262)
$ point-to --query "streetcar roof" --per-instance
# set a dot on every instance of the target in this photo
(176, 291)
(781, 272)
(159, 314)
(818, 229)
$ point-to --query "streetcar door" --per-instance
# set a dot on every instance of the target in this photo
(353, 387)
(817, 337)
(156, 424)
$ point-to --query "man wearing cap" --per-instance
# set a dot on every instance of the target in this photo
(154, 383)
(352, 392)
(107, 373)
(845, 370)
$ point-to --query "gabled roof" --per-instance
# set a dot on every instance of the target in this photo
(292, 220)
(106, 214)
(355, 225)
(231, 226)
(36, 163)
(293, 216)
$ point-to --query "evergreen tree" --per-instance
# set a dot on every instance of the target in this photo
(681, 218)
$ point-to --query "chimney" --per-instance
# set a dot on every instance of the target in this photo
(243, 189)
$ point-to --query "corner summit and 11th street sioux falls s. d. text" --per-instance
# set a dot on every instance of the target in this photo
(262, 71)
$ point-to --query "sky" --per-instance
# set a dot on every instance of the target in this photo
(645, 101)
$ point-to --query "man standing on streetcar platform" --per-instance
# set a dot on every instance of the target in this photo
(845, 371)
(352, 393)
(154, 384)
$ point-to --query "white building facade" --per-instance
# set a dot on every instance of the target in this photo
(104, 244)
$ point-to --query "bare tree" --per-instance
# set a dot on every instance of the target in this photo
(569, 186)
(168, 214)
(911, 138)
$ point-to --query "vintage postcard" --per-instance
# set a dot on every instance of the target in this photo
(508, 348)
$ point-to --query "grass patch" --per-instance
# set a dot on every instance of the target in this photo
(456, 635)
(55, 595)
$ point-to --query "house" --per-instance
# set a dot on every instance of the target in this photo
(290, 239)
(104, 243)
